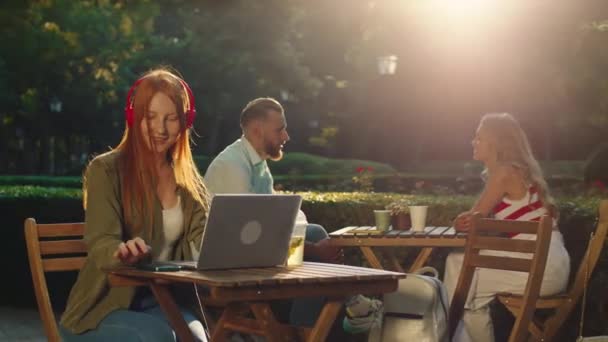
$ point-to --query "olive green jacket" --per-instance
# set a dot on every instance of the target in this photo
(91, 298)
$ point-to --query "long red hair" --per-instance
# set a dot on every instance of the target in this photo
(138, 177)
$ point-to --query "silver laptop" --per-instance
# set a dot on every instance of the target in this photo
(244, 231)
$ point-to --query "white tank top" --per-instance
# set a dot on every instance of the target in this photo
(173, 228)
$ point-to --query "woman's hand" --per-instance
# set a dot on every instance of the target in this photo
(462, 222)
(132, 251)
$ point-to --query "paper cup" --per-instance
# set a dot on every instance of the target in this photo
(418, 216)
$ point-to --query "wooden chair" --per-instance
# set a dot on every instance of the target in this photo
(482, 236)
(52, 248)
(562, 304)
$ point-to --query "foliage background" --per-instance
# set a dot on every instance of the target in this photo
(542, 61)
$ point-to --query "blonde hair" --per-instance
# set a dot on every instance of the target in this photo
(512, 148)
(138, 178)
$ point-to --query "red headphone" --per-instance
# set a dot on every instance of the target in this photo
(190, 113)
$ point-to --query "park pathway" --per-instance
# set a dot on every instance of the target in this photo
(20, 324)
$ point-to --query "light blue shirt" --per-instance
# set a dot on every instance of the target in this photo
(239, 169)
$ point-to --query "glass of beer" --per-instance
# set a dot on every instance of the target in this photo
(295, 255)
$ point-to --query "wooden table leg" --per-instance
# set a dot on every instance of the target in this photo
(371, 257)
(272, 328)
(390, 255)
(174, 315)
(421, 259)
(219, 333)
(326, 320)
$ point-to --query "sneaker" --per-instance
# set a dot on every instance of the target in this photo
(361, 314)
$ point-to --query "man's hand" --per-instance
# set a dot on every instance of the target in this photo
(323, 251)
(462, 222)
(132, 251)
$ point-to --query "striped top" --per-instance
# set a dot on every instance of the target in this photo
(528, 208)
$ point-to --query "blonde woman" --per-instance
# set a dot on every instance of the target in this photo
(515, 190)
(144, 200)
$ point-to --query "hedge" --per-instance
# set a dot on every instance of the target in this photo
(332, 210)
(44, 181)
(297, 163)
(382, 182)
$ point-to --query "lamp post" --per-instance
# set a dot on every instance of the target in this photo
(387, 67)
(55, 106)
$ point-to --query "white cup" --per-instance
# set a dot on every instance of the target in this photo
(295, 254)
(418, 217)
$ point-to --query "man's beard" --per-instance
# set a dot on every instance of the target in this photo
(273, 151)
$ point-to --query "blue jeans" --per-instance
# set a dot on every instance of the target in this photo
(132, 326)
(304, 311)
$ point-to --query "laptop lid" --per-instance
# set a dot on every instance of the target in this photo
(248, 230)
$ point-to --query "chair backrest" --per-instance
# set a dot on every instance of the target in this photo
(52, 248)
(483, 236)
(592, 253)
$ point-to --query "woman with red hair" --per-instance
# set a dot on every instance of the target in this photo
(144, 200)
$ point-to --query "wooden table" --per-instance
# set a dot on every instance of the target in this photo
(249, 290)
(367, 238)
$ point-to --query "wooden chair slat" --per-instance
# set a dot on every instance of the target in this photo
(481, 236)
(63, 264)
(564, 303)
(501, 263)
(60, 229)
(504, 244)
(507, 226)
(62, 247)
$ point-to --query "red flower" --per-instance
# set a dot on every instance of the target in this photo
(599, 184)
(360, 169)
(419, 184)
(370, 169)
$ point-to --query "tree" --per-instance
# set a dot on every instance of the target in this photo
(233, 52)
(78, 52)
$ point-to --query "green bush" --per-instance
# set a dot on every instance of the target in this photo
(296, 163)
(46, 205)
(336, 210)
(596, 167)
(46, 181)
(332, 210)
